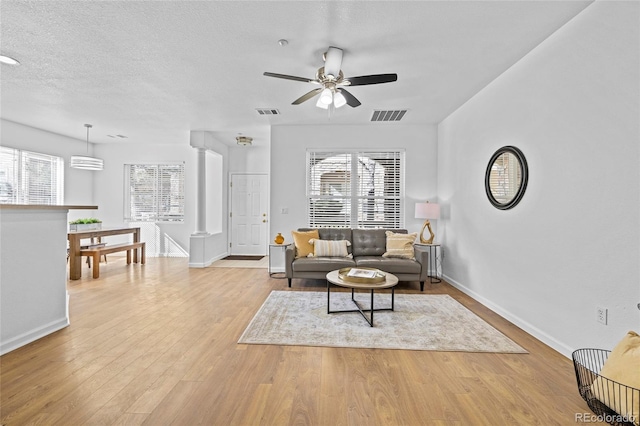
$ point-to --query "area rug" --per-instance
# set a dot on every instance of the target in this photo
(419, 322)
(237, 257)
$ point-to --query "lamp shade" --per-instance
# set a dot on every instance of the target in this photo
(427, 211)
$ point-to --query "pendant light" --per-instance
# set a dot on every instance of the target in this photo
(85, 162)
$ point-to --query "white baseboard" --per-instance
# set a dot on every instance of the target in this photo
(208, 262)
(32, 335)
(514, 319)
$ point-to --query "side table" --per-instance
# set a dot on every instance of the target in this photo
(435, 261)
(276, 260)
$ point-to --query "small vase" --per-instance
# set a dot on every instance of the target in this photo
(279, 239)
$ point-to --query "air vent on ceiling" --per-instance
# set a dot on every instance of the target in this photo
(267, 111)
(392, 115)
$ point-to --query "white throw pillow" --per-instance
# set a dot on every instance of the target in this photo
(329, 248)
(400, 245)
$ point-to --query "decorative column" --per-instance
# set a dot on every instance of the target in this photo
(201, 196)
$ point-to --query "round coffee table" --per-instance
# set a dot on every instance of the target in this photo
(389, 282)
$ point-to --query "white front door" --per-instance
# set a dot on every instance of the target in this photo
(249, 214)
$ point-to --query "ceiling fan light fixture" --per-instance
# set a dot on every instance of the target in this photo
(339, 100)
(331, 80)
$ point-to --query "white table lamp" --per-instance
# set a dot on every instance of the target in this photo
(427, 211)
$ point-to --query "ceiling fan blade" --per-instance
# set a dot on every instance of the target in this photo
(371, 79)
(333, 61)
(307, 96)
(351, 100)
(289, 77)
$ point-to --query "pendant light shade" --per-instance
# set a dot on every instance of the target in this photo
(84, 162)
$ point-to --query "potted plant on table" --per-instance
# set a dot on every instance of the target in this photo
(85, 224)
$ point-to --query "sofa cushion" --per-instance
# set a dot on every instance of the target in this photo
(321, 264)
(400, 245)
(324, 248)
(370, 242)
(393, 265)
(301, 240)
(333, 234)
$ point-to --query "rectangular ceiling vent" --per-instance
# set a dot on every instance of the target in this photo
(267, 111)
(392, 115)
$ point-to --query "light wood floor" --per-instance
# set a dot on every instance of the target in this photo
(157, 345)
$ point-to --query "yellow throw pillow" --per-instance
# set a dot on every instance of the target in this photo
(330, 248)
(301, 241)
(622, 366)
(400, 245)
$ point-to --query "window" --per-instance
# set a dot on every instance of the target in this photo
(30, 178)
(154, 193)
(355, 189)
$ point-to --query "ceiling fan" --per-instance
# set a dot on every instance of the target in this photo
(332, 82)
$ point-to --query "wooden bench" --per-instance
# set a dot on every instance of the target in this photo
(96, 252)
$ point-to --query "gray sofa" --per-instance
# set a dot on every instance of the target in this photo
(367, 248)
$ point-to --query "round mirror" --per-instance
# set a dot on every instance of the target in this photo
(506, 178)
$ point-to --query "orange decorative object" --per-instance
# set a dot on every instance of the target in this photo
(279, 239)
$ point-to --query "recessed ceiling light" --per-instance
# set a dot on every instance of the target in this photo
(8, 60)
(282, 42)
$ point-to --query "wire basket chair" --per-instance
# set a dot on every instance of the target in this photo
(611, 401)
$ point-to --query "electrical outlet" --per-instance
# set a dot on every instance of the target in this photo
(602, 315)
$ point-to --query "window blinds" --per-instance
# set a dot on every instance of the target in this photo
(30, 177)
(355, 189)
(155, 193)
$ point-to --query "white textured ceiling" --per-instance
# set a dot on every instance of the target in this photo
(154, 71)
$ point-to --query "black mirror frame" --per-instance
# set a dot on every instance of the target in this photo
(523, 183)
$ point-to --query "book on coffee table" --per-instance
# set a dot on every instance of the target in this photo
(362, 273)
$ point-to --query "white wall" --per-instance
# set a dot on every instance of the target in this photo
(78, 184)
(105, 188)
(33, 293)
(204, 249)
(289, 145)
(249, 159)
(572, 244)
(109, 185)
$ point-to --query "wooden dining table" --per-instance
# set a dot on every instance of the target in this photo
(75, 237)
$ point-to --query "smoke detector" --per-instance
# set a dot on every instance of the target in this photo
(244, 140)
